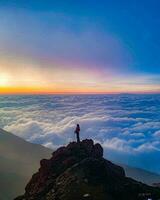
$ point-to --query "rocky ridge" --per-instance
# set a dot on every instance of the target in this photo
(79, 171)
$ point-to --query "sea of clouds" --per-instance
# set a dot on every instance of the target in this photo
(128, 126)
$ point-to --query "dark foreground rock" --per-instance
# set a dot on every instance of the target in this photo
(78, 172)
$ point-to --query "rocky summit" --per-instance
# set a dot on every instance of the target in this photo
(78, 172)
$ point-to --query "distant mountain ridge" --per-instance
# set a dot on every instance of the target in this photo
(142, 175)
(18, 160)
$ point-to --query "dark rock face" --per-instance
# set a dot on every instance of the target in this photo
(79, 171)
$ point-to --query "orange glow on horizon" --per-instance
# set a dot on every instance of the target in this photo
(31, 90)
(45, 91)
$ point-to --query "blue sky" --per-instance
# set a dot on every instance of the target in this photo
(118, 39)
(136, 23)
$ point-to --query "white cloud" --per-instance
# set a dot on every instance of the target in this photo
(157, 133)
(121, 123)
(147, 147)
(117, 144)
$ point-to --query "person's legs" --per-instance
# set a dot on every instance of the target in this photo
(78, 139)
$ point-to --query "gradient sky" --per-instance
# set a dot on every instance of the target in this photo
(79, 46)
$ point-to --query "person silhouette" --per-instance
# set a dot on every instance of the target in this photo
(77, 130)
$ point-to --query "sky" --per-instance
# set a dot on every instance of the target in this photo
(79, 46)
(126, 125)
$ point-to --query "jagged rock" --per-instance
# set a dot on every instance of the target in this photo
(98, 151)
(79, 169)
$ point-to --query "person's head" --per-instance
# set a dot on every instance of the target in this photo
(78, 125)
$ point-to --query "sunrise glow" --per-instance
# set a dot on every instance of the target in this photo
(4, 80)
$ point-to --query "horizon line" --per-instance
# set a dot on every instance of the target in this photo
(75, 93)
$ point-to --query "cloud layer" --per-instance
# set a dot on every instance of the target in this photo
(128, 126)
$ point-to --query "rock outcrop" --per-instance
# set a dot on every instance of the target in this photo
(79, 171)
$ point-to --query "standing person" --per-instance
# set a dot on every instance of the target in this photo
(77, 130)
